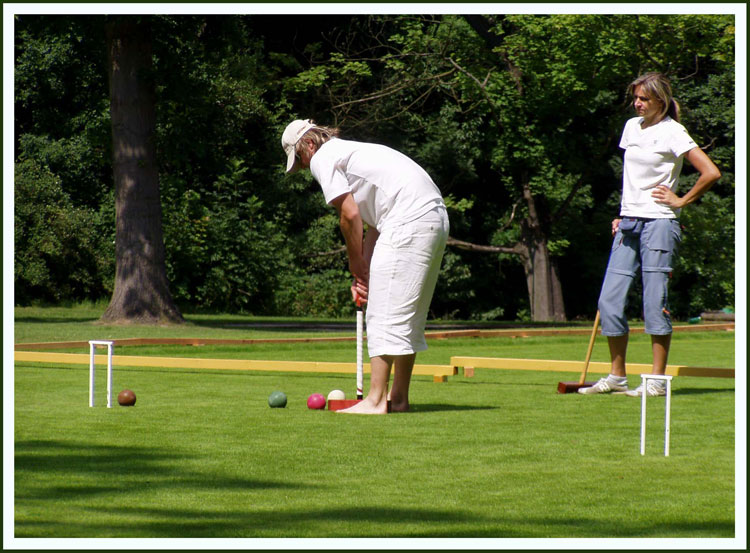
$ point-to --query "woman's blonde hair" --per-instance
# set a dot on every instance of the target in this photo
(657, 85)
(319, 135)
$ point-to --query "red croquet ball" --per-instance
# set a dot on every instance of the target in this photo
(126, 398)
(316, 401)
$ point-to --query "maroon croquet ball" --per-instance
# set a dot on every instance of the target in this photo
(126, 398)
(316, 401)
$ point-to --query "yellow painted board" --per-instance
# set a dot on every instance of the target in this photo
(220, 364)
(577, 366)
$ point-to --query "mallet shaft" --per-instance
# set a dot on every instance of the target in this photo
(360, 366)
(591, 348)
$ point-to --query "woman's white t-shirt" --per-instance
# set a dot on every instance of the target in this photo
(653, 157)
(388, 187)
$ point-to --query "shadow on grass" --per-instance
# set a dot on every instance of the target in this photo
(100, 488)
(346, 324)
(283, 325)
(247, 522)
(433, 407)
(701, 391)
(360, 521)
(115, 469)
(55, 320)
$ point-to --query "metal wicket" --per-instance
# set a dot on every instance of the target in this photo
(644, 379)
(92, 351)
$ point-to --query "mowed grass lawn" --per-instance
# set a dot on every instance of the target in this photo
(500, 455)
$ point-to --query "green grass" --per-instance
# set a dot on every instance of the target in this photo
(500, 455)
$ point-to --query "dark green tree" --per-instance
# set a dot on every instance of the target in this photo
(225, 217)
(519, 117)
(64, 236)
(141, 292)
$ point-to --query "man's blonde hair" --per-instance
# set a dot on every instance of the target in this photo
(319, 136)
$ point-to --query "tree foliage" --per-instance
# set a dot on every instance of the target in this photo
(517, 117)
(63, 251)
(529, 110)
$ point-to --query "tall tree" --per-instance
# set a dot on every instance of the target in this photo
(529, 107)
(242, 237)
(487, 83)
(141, 293)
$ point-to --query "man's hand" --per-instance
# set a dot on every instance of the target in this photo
(359, 292)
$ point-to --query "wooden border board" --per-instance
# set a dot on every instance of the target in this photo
(468, 364)
(219, 364)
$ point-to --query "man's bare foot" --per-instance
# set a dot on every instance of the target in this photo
(402, 407)
(366, 407)
(398, 403)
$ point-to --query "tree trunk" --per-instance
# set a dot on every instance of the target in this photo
(542, 278)
(141, 293)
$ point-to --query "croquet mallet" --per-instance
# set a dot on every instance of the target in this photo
(572, 387)
(338, 404)
(360, 365)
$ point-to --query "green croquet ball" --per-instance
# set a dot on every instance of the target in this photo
(277, 399)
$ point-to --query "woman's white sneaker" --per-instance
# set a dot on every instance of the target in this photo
(604, 386)
(653, 390)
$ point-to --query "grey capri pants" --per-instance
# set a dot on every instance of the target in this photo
(650, 248)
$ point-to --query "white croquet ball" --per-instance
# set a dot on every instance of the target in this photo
(336, 394)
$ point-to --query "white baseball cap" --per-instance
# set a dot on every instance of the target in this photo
(289, 139)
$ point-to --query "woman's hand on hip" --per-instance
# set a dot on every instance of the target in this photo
(664, 196)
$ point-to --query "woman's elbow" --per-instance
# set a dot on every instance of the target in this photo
(709, 173)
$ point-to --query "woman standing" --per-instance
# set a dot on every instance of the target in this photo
(647, 233)
(396, 264)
